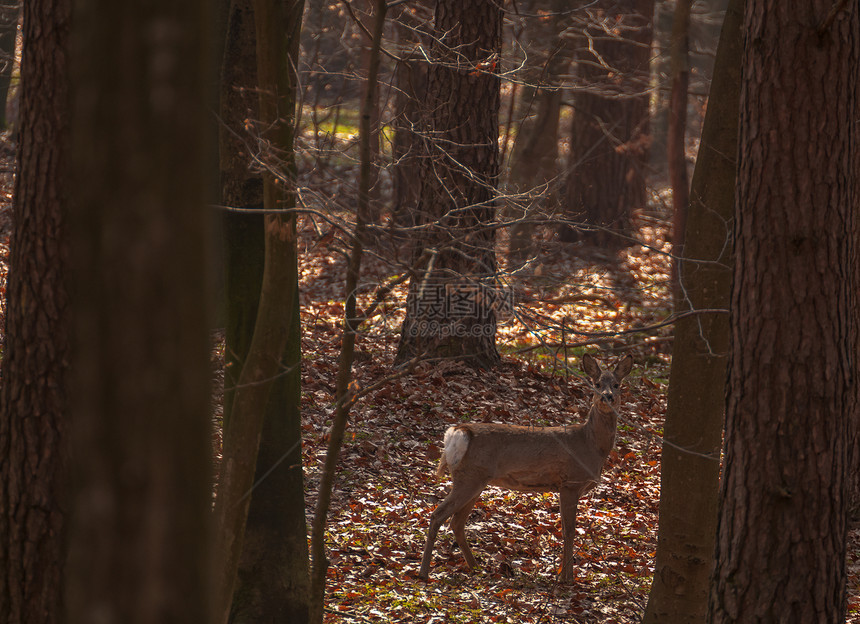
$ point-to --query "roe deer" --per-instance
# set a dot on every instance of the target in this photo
(529, 459)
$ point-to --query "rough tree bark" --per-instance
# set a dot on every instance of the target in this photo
(694, 416)
(410, 82)
(854, 505)
(410, 77)
(139, 543)
(781, 537)
(33, 397)
(446, 315)
(609, 133)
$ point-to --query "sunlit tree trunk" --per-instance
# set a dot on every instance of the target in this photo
(367, 17)
(782, 531)
(459, 172)
(410, 86)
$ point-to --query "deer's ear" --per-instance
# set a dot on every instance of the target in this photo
(622, 369)
(590, 366)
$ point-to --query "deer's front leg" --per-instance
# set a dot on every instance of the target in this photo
(569, 500)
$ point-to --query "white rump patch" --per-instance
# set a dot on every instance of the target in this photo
(456, 444)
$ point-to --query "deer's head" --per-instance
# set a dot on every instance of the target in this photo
(606, 384)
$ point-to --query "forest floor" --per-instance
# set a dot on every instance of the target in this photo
(387, 488)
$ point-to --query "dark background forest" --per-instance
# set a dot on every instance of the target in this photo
(258, 255)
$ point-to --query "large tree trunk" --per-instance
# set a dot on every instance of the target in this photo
(272, 578)
(609, 134)
(33, 399)
(854, 505)
(781, 539)
(410, 77)
(410, 86)
(694, 417)
(459, 173)
(139, 545)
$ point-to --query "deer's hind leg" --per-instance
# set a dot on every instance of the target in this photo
(458, 526)
(462, 495)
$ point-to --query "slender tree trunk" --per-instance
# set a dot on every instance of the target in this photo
(446, 315)
(782, 530)
(664, 14)
(350, 325)
(533, 171)
(609, 135)
(241, 187)
(241, 184)
(9, 15)
(272, 578)
(33, 398)
(676, 147)
(277, 26)
(273, 581)
(533, 167)
(139, 545)
(694, 417)
(368, 18)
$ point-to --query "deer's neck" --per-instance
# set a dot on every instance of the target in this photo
(601, 427)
